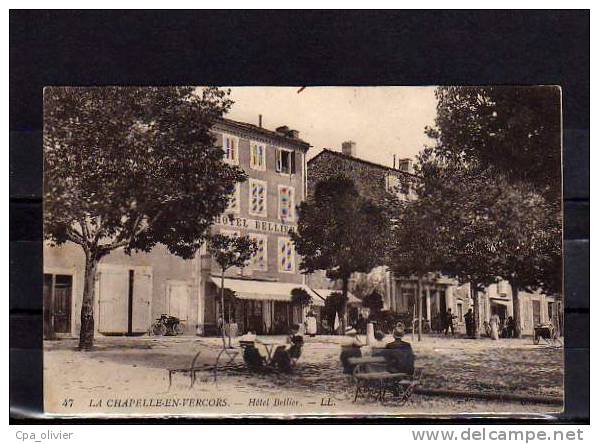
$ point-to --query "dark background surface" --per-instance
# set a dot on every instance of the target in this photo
(289, 48)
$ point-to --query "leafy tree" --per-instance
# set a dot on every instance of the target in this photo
(508, 140)
(300, 297)
(415, 245)
(449, 228)
(530, 243)
(340, 232)
(128, 167)
(374, 302)
(227, 252)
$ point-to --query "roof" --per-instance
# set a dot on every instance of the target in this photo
(357, 159)
(257, 130)
(265, 290)
(275, 291)
(260, 290)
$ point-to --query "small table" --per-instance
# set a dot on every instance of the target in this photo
(269, 346)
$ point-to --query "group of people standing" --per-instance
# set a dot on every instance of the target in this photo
(496, 328)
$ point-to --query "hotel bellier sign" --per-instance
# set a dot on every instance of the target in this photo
(253, 224)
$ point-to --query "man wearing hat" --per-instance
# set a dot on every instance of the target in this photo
(401, 358)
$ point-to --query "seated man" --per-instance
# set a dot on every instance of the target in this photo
(350, 349)
(251, 356)
(398, 354)
(286, 356)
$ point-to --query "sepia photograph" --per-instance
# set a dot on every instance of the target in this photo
(329, 251)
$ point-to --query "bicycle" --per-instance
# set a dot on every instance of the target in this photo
(167, 325)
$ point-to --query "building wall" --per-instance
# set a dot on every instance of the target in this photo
(163, 267)
(371, 180)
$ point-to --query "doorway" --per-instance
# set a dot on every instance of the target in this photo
(536, 313)
(499, 310)
(58, 294)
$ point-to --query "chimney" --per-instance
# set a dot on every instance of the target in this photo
(406, 165)
(282, 130)
(294, 134)
(349, 148)
(260, 120)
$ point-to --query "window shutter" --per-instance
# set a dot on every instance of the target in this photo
(292, 162)
(278, 160)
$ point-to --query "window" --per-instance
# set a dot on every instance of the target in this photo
(286, 203)
(231, 149)
(259, 260)
(257, 156)
(286, 255)
(257, 198)
(285, 161)
(234, 200)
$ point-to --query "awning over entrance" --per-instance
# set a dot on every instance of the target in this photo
(261, 290)
(323, 293)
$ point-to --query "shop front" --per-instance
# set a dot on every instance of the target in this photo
(259, 306)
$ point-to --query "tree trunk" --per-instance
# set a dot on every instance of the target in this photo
(476, 311)
(86, 334)
(222, 308)
(344, 290)
(419, 296)
(516, 308)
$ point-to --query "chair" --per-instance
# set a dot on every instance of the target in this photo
(230, 352)
(192, 369)
(372, 376)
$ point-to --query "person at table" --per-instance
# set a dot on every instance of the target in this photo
(400, 358)
(285, 356)
(251, 355)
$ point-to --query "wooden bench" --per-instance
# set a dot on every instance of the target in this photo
(372, 377)
(192, 369)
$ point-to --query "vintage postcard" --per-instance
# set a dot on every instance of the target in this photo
(303, 251)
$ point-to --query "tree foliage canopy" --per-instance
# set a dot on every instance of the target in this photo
(300, 297)
(514, 130)
(496, 163)
(132, 167)
(339, 231)
(373, 301)
(231, 251)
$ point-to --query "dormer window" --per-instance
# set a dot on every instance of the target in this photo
(285, 161)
